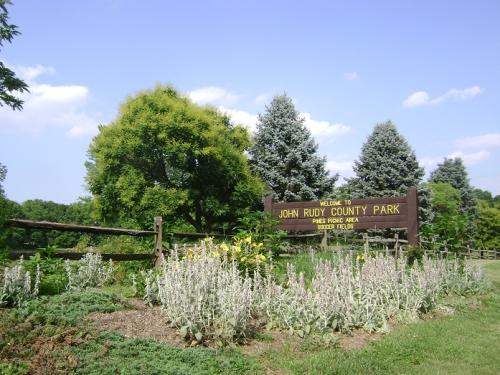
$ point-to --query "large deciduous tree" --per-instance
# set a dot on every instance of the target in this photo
(9, 82)
(285, 154)
(448, 223)
(164, 155)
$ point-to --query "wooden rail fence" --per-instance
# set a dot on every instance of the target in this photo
(399, 246)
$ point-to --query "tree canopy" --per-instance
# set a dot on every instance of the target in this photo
(387, 165)
(448, 222)
(164, 155)
(285, 154)
(453, 172)
(9, 82)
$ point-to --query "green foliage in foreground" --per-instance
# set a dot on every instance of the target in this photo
(70, 307)
(145, 356)
(465, 343)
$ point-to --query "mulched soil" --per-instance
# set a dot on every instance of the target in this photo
(141, 321)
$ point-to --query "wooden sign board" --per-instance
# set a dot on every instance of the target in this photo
(345, 214)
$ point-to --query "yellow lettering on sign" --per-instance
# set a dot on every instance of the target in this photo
(330, 203)
(289, 214)
(386, 209)
(313, 212)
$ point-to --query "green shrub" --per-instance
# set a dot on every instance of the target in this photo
(260, 226)
(53, 279)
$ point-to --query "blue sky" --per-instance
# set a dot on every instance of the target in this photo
(432, 67)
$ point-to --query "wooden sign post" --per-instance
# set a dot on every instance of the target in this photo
(346, 214)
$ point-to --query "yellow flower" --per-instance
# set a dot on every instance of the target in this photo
(243, 259)
(224, 247)
(248, 239)
(215, 253)
(237, 249)
(262, 258)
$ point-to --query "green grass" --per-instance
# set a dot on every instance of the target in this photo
(465, 343)
(303, 262)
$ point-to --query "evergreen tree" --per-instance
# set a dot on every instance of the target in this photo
(285, 155)
(9, 83)
(387, 165)
(453, 172)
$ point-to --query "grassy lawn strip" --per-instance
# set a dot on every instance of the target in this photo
(465, 343)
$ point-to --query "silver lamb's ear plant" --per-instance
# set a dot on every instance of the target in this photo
(208, 297)
(89, 272)
(17, 287)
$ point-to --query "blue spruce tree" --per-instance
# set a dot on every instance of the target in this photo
(285, 155)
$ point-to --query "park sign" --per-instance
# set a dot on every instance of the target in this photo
(349, 214)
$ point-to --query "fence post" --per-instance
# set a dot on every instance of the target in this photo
(324, 241)
(158, 226)
(366, 246)
(396, 244)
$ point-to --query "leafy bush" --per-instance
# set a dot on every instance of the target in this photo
(261, 227)
(246, 252)
(17, 286)
(70, 307)
(54, 278)
(89, 272)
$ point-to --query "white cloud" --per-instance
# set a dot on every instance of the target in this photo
(352, 76)
(429, 163)
(471, 158)
(480, 141)
(212, 95)
(422, 98)
(48, 106)
(343, 165)
(319, 129)
(29, 73)
(241, 117)
(340, 166)
(322, 128)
